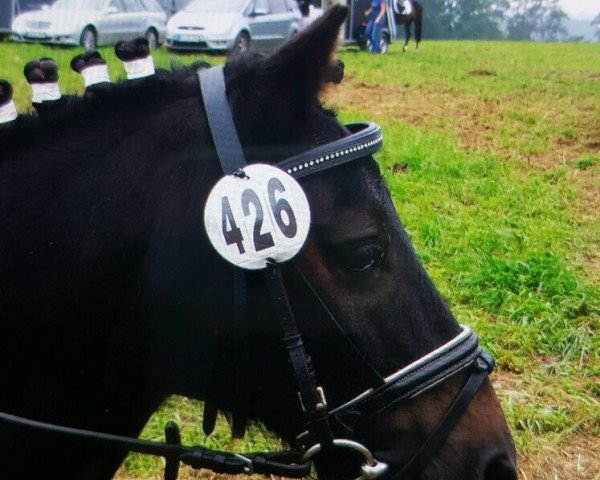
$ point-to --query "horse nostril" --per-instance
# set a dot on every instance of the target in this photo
(500, 468)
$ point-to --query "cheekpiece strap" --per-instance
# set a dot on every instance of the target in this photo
(232, 158)
(220, 120)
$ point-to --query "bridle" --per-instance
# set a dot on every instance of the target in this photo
(460, 353)
(327, 429)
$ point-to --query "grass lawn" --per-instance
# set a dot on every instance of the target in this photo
(492, 155)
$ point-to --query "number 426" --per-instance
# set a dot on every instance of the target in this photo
(281, 209)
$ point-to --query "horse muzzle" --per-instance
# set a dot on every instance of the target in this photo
(355, 418)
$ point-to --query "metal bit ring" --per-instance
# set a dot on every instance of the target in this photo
(369, 471)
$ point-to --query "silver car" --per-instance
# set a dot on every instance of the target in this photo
(90, 23)
(227, 25)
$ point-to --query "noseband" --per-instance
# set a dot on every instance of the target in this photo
(327, 428)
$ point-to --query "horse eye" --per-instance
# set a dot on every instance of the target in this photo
(361, 258)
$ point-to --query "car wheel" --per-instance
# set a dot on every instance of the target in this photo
(384, 43)
(88, 38)
(152, 38)
(242, 43)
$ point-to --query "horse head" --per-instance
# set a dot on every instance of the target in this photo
(364, 303)
(116, 298)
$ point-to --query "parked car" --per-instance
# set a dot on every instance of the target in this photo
(225, 25)
(90, 23)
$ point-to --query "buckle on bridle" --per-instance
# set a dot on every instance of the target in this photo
(485, 362)
(249, 468)
(321, 400)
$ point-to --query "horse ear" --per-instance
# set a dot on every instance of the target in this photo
(305, 64)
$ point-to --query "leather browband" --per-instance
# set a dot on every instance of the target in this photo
(365, 139)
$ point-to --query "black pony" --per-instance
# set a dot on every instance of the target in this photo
(112, 298)
(408, 18)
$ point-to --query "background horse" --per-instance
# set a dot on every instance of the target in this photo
(111, 297)
(407, 19)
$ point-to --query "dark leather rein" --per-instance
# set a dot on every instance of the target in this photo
(461, 354)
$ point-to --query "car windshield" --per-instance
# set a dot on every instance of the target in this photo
(212, 6)
(78, 4)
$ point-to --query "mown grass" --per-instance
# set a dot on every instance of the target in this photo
(533, 93)
(494, 240)
(492, 158)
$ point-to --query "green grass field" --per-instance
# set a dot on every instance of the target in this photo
(492, 155)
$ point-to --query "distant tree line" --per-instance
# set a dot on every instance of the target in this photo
(596, 23)
(541, 20)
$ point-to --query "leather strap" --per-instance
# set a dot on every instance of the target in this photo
(364, 139)
(220, 119)
(287, 464)
(480, 369)
(344, 338)
(315, 412)
(360, 413)
(232, 158)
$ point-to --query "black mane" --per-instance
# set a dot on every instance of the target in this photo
(111, 108)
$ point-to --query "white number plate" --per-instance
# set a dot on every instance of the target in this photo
(188, 38)
(249, 220)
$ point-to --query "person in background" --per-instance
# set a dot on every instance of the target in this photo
(376, 16)
(304, 7)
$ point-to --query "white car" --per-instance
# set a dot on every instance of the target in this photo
(233, 25)
(90, 23)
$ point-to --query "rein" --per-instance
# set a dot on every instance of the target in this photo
(327, 429)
